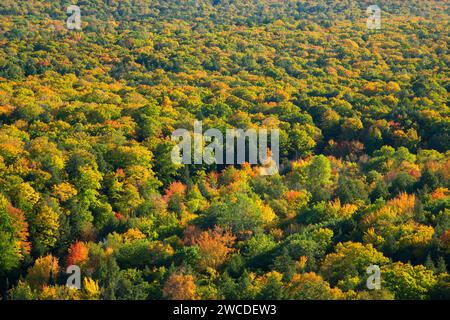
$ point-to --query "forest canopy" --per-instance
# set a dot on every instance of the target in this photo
(86, 176)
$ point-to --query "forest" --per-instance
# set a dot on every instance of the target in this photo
(86, 176)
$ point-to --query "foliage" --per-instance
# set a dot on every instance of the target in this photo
(86, 176)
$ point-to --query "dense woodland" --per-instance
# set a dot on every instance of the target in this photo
(86, 176)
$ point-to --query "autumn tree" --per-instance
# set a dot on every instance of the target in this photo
(180, 287)
(215, 246)
(78, 254)
(409, 282)
(311, 286)
(347, 266)
(14, 242)
(45, 228)
(44, 269)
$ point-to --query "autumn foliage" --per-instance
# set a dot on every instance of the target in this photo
(78, 254)
(180, 287)
(86, 142)
(215, 246)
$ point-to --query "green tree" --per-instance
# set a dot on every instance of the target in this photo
(407, 281)
(319, 177)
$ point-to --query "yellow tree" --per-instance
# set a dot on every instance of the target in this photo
(45, 228)
(44, 269)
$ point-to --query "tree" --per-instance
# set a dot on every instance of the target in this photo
(44, 269)
(131, 285)
(215, 246)
(407, 281)
(285, 264)
(78, 254)
(350, 190)
(45, 227)
(26, 197)
(302, 140)
(238, 212)
(318, 177)
(347, 266)
(180, 287)
(22, 291)
(175, 195)
(108, 274)
(259, 247)
(14, 243)
(311, 286)
(91, 289)
(272, 288)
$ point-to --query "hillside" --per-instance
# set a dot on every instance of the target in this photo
(87, 178)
